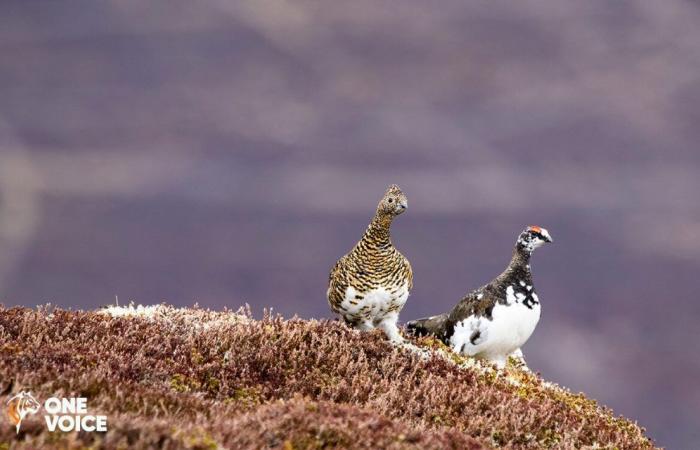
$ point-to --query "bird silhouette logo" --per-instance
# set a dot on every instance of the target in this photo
(20, 406)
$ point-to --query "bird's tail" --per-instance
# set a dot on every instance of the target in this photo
(434, 325)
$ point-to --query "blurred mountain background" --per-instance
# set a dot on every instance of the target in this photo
(227, 152)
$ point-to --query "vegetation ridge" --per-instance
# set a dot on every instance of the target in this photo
(194, 378)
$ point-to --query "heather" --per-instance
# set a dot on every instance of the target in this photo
(193, 378)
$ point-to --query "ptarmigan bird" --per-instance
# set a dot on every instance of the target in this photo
(494, 321)
(369, 286)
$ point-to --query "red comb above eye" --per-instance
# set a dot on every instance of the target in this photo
(535, 228)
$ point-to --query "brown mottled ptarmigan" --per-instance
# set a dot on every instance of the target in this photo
(494, 321)
(369, 286)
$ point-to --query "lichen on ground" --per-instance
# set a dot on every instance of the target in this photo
(193, 378)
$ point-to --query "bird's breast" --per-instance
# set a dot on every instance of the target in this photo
(374, 303)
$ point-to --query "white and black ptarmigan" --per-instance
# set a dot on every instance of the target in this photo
(369, 286)
(494, 321)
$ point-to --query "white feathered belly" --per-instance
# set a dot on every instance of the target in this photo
(511, 327)
(373, 305)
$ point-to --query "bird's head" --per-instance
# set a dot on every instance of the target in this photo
(533, 237)
(394, 201)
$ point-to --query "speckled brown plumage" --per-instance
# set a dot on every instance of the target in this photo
(369, 286)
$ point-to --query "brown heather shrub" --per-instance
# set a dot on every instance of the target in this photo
(192, 378)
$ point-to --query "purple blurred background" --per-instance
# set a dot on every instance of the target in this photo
(227, 152)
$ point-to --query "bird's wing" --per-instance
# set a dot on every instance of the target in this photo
(467, 327)
(337, 283)
(409, 274)
(334, 273)
(478, 303)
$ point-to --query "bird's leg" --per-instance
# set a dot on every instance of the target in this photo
(364, 325)
(388, 325)
(499, 361)
(518, 360)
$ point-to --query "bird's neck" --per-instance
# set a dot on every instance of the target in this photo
(519, 266)
(378, 234)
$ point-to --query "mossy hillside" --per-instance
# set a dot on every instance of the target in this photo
(192, 378)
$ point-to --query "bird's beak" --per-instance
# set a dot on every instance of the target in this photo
(547, 237)
(399, 209)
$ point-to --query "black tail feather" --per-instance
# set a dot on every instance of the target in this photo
(434, 326)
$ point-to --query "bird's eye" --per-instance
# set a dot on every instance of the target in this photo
(391, 200)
